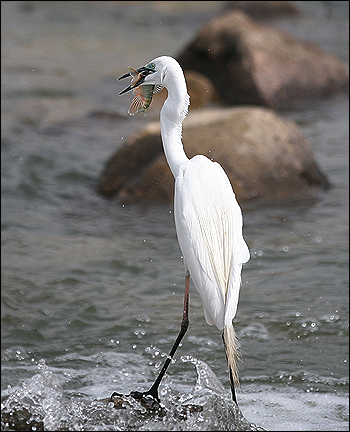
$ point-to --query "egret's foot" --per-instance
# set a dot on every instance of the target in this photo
(149, 399)
(152, 392)
(115, 394)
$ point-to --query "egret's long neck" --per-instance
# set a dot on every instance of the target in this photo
(172, 115)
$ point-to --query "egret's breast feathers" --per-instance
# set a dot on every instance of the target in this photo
(209, 227)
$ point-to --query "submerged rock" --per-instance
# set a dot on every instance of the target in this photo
(252, 63)
(20, 419)
(137, 413)
(147, 406)
(264, 156)
(40, 404)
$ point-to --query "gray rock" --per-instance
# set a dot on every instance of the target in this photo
(264, 156)
(264, 9)
(251, 63)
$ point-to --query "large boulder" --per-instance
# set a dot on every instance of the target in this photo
(264, 9)
(199, 87)
(251, 63)
(264, 156)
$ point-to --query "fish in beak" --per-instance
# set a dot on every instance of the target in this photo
(143, 92)
(138, 77)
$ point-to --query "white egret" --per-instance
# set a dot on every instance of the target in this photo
(208, 218)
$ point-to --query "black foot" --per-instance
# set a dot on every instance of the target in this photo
(115, 394)
(148, 399)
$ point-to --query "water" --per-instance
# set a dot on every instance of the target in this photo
(92, 291)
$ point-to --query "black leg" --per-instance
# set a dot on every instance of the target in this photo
(233, 387)
(234, 398)
(153, 391)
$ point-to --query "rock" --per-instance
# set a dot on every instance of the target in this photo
(151, 407)
(264, 156)
(132, 412)
(20, 419)
(263, 9)
(201, 90)
(199, 87)
(125, 166)
(251, 63)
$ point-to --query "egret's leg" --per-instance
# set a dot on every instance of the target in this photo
(231, 376)
(232, 387)
(153, 391)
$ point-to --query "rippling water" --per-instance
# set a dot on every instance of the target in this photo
(92, 290)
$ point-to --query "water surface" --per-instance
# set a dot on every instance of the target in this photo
(92, 290)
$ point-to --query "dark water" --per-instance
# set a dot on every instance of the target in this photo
(92, 291)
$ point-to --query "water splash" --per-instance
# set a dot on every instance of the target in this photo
(219, 411)
(41, 405)
(36, 402)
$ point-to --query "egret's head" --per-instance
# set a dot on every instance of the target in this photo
(138, 76)
(146, 81)
(152, 73)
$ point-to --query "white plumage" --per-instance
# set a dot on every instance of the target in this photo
(208, 218)
(209, 229)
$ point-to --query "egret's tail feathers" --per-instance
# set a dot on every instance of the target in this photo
(232, 352)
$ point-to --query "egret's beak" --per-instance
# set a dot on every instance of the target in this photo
(138, 76)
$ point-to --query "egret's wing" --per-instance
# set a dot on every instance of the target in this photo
(209, 228)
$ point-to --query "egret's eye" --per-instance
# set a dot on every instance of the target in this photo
(151, 67)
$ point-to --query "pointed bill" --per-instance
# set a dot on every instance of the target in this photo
(137, 78)
(143, 92)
